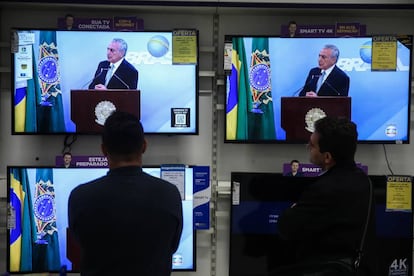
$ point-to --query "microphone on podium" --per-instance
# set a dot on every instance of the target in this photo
(95, 77)
(122, 81)
(309, 81)
(333, 88)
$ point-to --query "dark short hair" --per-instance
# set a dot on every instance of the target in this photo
(122, 134)
(338, 136)
(294, 161)
(67, 153)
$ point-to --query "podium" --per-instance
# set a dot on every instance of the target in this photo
(90, 108)
(299, 113)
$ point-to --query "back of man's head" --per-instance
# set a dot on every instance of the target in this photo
(338, 136)
(122, 135)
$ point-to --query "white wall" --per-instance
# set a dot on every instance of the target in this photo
(41, 150)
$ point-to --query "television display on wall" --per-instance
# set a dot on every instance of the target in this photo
(268, 78)
(259, 198)
(39, 240)
(50, 65)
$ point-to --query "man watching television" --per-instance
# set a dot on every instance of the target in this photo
(332, 225)
(127, 222)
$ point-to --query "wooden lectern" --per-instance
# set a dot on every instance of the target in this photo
(89, 108)
(299, 113)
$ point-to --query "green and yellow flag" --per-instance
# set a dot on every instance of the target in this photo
(238, 99)
(261, 115)
(50, 114)
(46, 255)
(23, 234)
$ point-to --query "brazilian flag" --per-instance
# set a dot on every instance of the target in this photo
(46, 254)
(50, 114)
(238, 98)
(261, 116)
(23, 234)
(38, 100)
(249, 108)
(26, 99)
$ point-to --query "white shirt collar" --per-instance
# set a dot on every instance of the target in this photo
(116, 64)
(328, 71)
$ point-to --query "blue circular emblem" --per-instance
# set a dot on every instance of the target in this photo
(158, 46)
(48, 70)
(260, 77)
(365, 51)
(43, 208)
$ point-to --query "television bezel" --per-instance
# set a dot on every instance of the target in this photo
(394, 241)
(228, 39)
(8, 184)
(173, 133)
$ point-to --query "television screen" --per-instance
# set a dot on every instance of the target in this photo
(27, 251)
(259, 198)
(269, 76)
(53, 71)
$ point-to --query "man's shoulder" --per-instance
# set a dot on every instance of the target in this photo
(339, 71)
(104, 63)
(86, 187)
(160, 184)
(157, 180)
(343, 173)
(315, 70)
(129, 65)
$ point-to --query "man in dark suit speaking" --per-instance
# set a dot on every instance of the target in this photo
(326, 79)
(115, 72)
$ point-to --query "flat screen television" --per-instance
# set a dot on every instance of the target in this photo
(25, 225)
(259, 198)
(262, 93)
(49, 64)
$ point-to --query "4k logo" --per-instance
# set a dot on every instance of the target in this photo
(398, 267)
